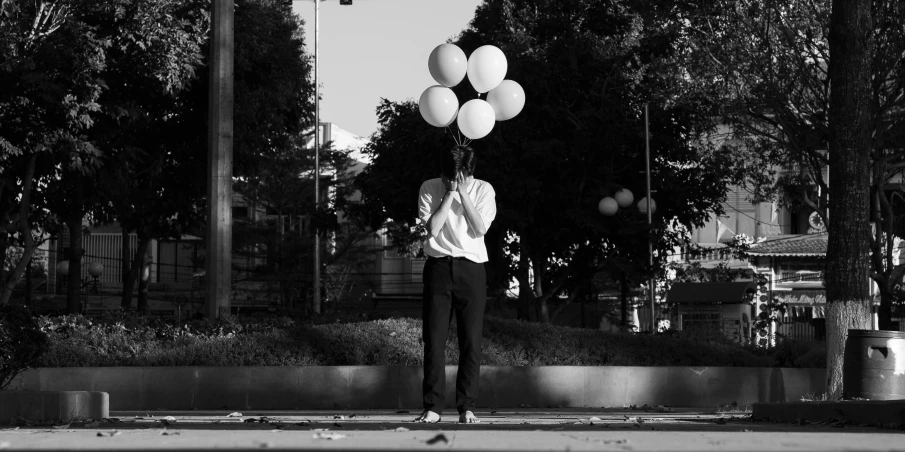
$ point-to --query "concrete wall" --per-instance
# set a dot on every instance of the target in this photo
(376, 387)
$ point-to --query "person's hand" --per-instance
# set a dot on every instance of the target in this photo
(462, 183)
(451, 185)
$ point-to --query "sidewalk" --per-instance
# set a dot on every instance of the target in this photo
(523, 429)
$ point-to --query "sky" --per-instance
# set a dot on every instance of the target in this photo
(377, 48)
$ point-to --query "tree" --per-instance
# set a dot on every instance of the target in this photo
(774, 64)
(152, 128)
(587, 69)
(851, 41)
(51, 63)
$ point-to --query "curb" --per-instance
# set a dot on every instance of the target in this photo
(877, 413)
(54, 405)
(399, 387)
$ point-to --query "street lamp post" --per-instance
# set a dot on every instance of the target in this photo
(649, 205)
(316, 302)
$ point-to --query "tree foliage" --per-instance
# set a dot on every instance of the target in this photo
(587, 69)
(771, 64)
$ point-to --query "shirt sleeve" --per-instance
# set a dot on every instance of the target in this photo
(425, 203)
(486, 205)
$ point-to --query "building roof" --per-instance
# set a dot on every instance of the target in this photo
(710, 292)
(799, 245)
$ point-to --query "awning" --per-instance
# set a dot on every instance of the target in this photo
(709, 292)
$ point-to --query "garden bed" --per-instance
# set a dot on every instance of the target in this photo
(115, 341)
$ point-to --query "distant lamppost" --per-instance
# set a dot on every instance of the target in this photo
(63, 271)
(316, 301)
(95, 269)
(623, 198)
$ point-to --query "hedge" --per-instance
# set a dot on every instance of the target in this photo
(120, 340)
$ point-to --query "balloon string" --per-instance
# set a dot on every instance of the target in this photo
(453, 136)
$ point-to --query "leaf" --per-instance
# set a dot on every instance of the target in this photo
(61, 426)
(234, 414)
(440, 437)
(109, 434)
(595, 418)
(401, 429)
(329, 436)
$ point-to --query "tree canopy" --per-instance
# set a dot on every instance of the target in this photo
(587, 69)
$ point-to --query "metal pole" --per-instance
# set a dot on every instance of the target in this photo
(220, 161)
(316, 303)
(650, 245)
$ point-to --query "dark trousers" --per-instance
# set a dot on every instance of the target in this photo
(458, 285)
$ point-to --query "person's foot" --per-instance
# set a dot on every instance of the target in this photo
(468, 418)
(427, 417)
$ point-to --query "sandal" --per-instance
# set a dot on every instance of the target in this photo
(423, 418)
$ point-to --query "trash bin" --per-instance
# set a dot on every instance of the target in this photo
(874, 365)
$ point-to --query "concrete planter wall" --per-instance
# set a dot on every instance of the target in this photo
(387, 387)
(53, 405)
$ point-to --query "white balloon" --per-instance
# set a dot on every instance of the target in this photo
(476, 119)
(507, 99)
(486, 68)
(447, 64)
(438, 106)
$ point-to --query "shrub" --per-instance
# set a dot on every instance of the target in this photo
(22, 343)
(129, 340)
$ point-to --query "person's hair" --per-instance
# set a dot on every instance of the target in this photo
(457, 158)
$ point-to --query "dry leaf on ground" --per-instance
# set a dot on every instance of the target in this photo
(328, 436)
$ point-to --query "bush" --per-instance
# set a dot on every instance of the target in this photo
(22, 343)
(130, 340)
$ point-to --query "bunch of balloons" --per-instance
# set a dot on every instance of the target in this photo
(623, 198)
(486, 70)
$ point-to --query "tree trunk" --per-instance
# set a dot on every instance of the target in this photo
(525, 295)
(25, 231)
(126, 301)
(138, 273)
(884, 313)
(28, 283)
(541, 310)
(850, 119)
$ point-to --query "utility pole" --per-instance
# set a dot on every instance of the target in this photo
(220, 160)
(650, 244)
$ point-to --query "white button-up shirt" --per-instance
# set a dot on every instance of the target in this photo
(454, 238)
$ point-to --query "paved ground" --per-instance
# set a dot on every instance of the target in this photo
(504, 429)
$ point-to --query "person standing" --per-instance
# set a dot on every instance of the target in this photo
(457, 210)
